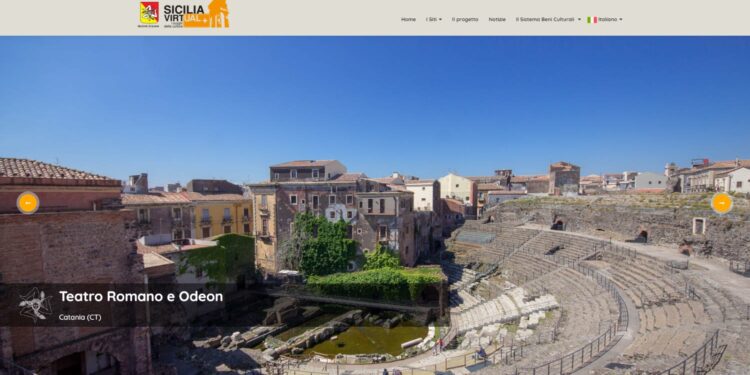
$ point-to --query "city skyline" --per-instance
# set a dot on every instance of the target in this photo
(190, 108)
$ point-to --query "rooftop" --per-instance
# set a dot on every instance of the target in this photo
(151, 260)
(486, 178)
(304, 163)
(591, 179)
(419, 182)
(563, 166)
(199, 197)
(154, 197)
(388, 180)
(726, 173)
(490, 186)
(725, 164)
(14, 171)
(542, 177)
(346, 178)
(384, 193)
(171, 247)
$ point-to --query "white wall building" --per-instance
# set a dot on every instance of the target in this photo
(426, 194)
(650, 180)
(736, 181)
(459, 188)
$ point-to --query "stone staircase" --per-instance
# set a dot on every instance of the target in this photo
(508, 307)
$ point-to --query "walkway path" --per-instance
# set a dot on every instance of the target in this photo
(736, 284)
(420, 360)
(351, 302)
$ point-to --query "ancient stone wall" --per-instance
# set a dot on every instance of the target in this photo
(73, 247)
(725, 236)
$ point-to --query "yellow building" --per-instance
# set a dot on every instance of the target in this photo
(215, 214)
(264, 222)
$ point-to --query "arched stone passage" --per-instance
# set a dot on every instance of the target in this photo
(83, 363)
(127, 348)
(642, 236)
(558, 224)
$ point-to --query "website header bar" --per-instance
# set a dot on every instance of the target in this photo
(385, 17)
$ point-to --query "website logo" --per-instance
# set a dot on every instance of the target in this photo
(35, 305)
(215, 15)
(149, 12)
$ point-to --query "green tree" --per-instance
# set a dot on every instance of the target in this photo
(381, 257)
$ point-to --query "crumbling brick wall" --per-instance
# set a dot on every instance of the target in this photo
(73, 247)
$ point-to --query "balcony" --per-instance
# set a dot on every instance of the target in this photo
(226, 220)
(205, 220)
(263, 235)
(245, 219)
(264, 211)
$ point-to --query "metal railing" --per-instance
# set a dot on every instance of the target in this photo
(572, 361)
(575, 360)
(702, 360)
(495, 353)
(742, 268)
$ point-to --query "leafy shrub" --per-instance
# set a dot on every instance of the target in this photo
(381, 257)
(391, 284)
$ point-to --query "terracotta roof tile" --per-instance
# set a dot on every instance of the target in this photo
(349, 177)
(14, 171)
(12, 167)
(155, 197)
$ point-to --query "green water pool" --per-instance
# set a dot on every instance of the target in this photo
(369, 339)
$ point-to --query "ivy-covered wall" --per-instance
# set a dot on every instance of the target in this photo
(234, 255)
(318, 246)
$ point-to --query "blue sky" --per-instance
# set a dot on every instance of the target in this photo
(182, 108)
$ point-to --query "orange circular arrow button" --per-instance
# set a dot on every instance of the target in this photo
(27, 203)
(721, 203)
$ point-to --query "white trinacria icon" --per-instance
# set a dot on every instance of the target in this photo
(35, 305)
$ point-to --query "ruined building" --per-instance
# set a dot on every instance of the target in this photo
(375, 212)
(564, 178)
